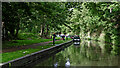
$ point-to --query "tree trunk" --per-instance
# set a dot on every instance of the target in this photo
(3, 33)
(12, 33)
(42, 30)
(47, 31)
(16, 35)
(17, 30)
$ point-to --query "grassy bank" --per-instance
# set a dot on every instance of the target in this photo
(13, 55)
(25, 39)
(14, 43)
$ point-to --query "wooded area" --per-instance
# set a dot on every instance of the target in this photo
(45, 18)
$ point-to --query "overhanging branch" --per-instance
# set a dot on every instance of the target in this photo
(68, 26)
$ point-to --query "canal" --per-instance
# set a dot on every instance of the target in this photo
(87, 53)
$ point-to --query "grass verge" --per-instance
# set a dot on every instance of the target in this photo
(13, 55)
(15, 43)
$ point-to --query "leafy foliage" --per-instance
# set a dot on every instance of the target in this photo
(85, 19)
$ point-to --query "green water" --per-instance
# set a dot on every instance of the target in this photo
(88, 53)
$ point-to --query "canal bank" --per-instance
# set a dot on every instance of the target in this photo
(24, 61)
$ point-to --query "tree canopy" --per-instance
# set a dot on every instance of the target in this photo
(48, 17)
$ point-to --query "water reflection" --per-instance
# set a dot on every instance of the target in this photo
(76, 43)
(67, 64)
(88, 53)
(56, 65)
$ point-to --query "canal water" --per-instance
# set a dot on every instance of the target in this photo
(87, 53)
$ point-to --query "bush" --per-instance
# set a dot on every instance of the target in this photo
(28, 36)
